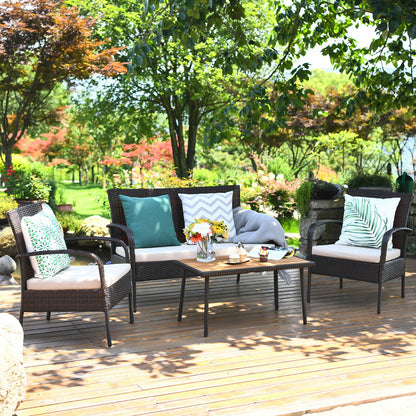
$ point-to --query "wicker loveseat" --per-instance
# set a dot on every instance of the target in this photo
(158, 262)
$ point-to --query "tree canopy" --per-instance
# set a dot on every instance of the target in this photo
(42, 45)
(182, 62)
(227, 66)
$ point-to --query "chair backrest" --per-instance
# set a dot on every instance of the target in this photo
(402, 211)
(15, 220)
(117, 213)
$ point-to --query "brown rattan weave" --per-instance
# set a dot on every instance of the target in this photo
(365, 271)
(83, 300)
(154, 270)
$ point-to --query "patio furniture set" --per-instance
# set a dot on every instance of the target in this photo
(147, 243)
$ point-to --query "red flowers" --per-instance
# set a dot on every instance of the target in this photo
(197, 237)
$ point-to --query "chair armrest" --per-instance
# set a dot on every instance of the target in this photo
(311, 231)
(386, 237)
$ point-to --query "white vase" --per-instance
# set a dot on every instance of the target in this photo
(205, 250)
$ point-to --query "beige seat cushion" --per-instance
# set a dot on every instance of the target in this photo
(80, 277)
(366, 254)
(182, 252)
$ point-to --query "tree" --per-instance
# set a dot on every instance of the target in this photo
(42, 45)
(383, 70)
(110, 121)
(180, 48)
(182, 58)
(399, 130)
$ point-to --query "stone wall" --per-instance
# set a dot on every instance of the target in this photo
(321, 210)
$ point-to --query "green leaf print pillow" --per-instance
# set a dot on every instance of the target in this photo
(366, 220)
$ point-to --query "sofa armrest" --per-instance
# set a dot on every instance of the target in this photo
(126, 232)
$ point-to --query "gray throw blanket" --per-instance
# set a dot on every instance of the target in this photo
(258, 228)
(254, 227)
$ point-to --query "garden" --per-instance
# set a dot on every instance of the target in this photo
(188, 102)
(102, 94)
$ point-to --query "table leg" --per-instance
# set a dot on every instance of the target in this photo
(182, 296)
(302, 294)
(276, 289)
(206, 307)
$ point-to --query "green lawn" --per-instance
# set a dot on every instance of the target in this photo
(86, 200)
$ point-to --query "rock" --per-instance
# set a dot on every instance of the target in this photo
(12, 372)
(7, 265)
(7, 242)
(94, 226)
(7, 280)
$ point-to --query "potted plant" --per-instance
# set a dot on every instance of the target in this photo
(62, 204)
(368, 181)
(26, 187)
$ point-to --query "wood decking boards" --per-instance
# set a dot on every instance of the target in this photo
(256, 361)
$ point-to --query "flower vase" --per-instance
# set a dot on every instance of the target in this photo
(205, 250)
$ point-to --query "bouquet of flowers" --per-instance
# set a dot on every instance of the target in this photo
(203, 228)
(204, 233)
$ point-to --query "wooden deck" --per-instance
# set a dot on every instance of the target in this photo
(256, 361)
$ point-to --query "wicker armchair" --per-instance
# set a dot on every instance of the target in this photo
(102, 298)
(372, 272)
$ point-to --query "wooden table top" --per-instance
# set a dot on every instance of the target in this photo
(220, 267)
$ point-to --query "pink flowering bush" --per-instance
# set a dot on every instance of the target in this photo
(269, 192)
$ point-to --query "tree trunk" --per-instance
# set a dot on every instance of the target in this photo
(178, 143)
(193, 123)
(7, 151)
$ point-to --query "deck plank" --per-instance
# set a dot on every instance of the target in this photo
(255, 361)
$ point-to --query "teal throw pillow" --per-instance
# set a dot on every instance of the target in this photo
(151, 221)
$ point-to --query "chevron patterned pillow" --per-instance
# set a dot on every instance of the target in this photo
(213, 206)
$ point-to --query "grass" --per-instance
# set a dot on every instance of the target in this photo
(86, 200)
(290, 225)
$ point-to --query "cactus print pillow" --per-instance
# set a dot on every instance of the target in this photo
(366, 220)
(43, 232)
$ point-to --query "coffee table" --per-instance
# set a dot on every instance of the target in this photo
(220, 267)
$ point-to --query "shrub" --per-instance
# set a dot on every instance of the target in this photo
(282, 202)
(364, 180)
(24, 183)
(264, 191)
(324, 190)
(303, 197)
(70, 221)
(7, 203)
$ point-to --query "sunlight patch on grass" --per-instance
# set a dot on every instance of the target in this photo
(86, 200)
